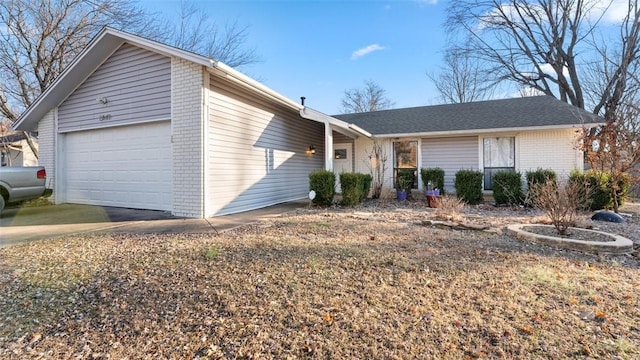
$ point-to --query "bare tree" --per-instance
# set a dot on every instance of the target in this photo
(614, 151)
(544, 45)
(38, 39)
(198, 33)
(376, 161)
(462, 79)
(371, 98)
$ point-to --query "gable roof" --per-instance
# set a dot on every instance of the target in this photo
(528, 113)
(108, 40)
(103, 45)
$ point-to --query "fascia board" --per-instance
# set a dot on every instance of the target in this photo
(484, 131)
(348, 129)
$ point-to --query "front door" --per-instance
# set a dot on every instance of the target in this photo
(342, 161)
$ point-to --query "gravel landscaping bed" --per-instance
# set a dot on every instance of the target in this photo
(369, 282)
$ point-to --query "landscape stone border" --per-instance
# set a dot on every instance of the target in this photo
(619, 245)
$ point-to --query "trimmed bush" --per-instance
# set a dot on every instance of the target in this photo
(323, 183)
(469, 186)
(540, 176)
(367, 179)
(351, 185)
(600, 188)
(507, 187)
(355, 188)
(435, 175)
(405, 180)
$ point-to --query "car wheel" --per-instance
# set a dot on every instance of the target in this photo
(1, 203)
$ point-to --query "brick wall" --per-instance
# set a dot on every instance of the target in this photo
(186, 122)
(551, 149)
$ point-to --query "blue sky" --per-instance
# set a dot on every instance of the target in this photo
(319, 49)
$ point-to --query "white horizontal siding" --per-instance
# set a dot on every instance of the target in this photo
(136, 83)
(256, 151)
(450, 154)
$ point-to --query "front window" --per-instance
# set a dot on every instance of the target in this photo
(499, 155)
(405, 159)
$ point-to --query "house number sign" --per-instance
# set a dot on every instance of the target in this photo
(105, 117)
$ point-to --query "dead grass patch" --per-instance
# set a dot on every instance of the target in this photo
(315, 285)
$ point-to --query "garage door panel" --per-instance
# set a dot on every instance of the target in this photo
(127, 166)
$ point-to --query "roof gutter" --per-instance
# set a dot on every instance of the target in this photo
(477, 131)
(311, 114)
(226, 71)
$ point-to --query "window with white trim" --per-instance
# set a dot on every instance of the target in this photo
(405, 159)
(499, 155)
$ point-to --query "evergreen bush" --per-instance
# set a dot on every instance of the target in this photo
(435, 175)
(507, 187)
(468, 185)
(540, 176)
(323, 183)
(367, 179)
(600, 195)
(352, 186)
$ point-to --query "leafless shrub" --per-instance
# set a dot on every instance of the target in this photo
(450, 208)
(376, 161)
(560, 202)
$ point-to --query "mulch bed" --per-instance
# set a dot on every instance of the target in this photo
(370, 282)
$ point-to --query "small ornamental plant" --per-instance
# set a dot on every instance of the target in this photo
(560, 201)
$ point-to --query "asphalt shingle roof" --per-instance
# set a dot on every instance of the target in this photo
(526, 112)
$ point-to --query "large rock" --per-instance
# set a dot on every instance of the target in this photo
(608, 216)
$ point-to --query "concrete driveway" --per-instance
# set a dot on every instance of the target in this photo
(21, 225)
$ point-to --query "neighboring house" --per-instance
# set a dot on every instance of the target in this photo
(518, 134)
(15, 150)
(135, 123)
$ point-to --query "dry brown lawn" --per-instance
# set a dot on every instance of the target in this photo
(318, 284)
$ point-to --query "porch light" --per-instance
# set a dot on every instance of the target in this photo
(311, 150)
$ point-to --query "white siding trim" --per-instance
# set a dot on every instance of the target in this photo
(206, 176)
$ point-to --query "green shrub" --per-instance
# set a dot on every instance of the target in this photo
(323, 183)
(352, 187)
(355, 188)
(367, 179)
(405, 180)
(507, 187)
(468, 185)
(435, 175)
(540, 176)
(600, 184)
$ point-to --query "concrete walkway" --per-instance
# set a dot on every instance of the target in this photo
(18, 227)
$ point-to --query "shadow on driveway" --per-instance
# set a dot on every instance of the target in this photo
(76, 214)
(23, 225)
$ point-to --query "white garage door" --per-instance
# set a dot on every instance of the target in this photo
(126, 166)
